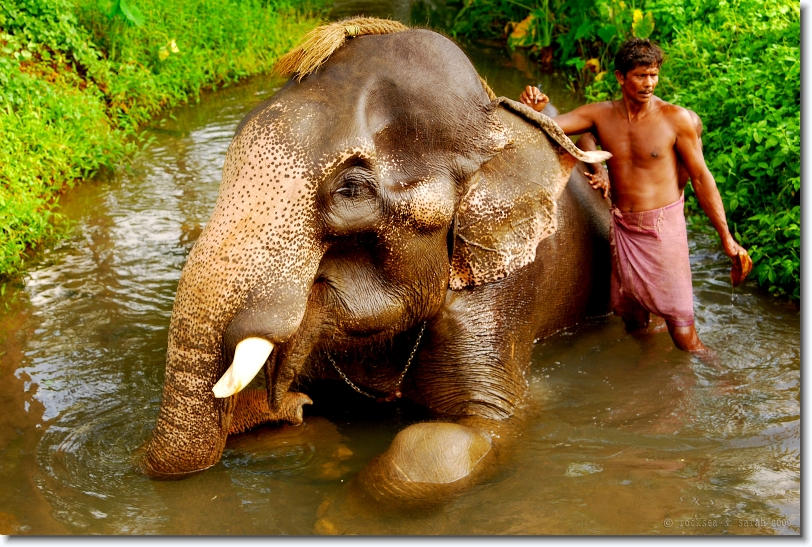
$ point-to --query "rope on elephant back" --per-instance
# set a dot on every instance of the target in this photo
(551, 128)
(491, 95)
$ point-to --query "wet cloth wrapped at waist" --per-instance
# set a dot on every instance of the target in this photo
(647, 222)
(651, 266)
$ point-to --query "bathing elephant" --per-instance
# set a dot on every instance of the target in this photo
(387, 223)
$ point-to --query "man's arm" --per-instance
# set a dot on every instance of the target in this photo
(689, 150)
(575, 122)
(683, 173)
(599, 177)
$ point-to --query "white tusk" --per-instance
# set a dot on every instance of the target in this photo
(249, 356)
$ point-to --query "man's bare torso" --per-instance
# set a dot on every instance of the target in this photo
(644, 167)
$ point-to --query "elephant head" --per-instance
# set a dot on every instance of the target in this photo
(351, 203)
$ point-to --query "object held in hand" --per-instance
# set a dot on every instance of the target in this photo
(742, 266)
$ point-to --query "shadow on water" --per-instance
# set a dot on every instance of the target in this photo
(618, 434)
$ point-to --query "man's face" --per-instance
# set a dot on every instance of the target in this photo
(638, 84)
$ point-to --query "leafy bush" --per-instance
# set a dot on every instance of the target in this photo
(737, 64)
(78, 77)
(748, 96)
(582, 34)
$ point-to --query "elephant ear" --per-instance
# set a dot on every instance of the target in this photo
(510, 205)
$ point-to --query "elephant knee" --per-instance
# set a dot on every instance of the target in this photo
(427, 463)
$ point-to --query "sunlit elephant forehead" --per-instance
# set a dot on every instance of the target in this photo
(419, 63)
(380, 77)
(396, 44)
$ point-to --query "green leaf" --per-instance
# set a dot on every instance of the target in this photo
(577, 62)
(607, 33)
(583, 29)
(131, 13)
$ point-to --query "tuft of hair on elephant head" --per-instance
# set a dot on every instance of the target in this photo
(383, 221)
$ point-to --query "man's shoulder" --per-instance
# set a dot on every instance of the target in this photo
(595, 107)
(595, 111)
(678, 117)
(674, 111)
(602, 105)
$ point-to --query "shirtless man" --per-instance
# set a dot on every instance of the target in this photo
(649, 139)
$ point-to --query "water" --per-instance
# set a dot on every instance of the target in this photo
(619, 435)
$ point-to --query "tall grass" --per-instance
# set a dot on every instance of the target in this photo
(78, 78)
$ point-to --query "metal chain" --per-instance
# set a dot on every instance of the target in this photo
(400, 379)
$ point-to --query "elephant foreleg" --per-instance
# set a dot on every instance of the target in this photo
(251, 409)
(427, 463)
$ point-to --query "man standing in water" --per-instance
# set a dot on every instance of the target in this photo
(649, 139)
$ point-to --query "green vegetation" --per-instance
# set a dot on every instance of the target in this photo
(78, 78)
(735, 62)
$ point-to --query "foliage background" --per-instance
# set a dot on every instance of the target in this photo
(735, 62)
(78, 78)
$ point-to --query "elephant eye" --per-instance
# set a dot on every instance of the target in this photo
(350, 189)
(355, 183)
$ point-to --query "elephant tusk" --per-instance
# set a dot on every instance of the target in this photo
(249, 356)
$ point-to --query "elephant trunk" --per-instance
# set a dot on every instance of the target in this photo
(206, 369)
(242, 293)
(188, 436)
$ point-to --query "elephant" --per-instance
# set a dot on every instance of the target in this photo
(386, 223)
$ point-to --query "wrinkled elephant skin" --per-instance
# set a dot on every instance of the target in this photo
(384, 191)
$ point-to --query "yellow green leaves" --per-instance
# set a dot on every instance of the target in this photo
(534, 30)
(165, 50)
(522, 35)
(642, 24)
(594, 65)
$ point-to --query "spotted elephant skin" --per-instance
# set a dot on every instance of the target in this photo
(384, 192)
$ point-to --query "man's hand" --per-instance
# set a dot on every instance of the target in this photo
(742, 263)
(534, 98)
(599, 180)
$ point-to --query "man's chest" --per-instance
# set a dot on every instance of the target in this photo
(645, 142)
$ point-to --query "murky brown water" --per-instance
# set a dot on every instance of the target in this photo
(622, 435)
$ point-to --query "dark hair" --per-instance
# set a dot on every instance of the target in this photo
(637, 52)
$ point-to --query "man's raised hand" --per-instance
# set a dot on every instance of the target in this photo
(534, 98)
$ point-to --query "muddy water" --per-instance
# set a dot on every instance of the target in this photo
(619, 434)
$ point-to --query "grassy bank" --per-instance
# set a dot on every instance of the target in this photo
(79, 77)
(735, 62)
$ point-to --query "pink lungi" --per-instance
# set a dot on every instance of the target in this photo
(650, 267)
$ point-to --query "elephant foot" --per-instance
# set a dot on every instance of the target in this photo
(427, 464)
(251, 409)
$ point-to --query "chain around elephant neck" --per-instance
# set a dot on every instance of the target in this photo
(395, 393)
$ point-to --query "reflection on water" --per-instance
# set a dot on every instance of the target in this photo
(618, 434)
